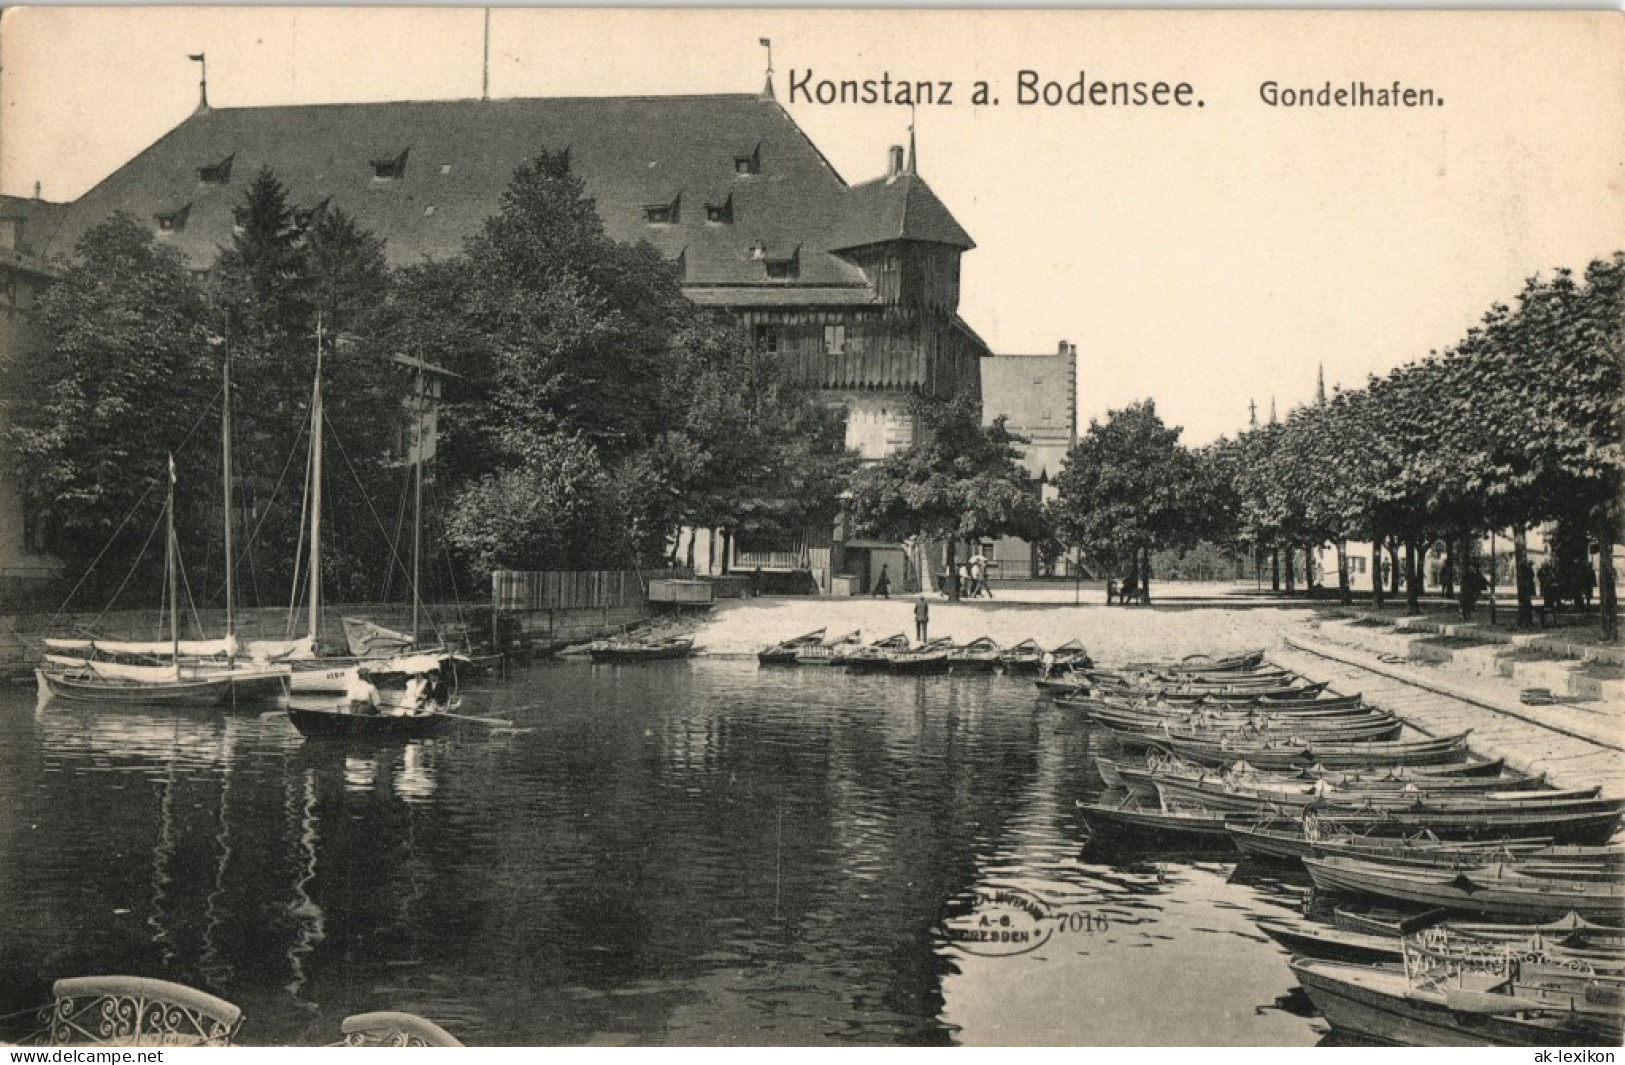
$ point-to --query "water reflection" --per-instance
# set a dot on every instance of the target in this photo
(673, 853)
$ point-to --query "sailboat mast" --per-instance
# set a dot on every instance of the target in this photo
(172, 567)
(225, 462)
(316, 490)
(417, 508)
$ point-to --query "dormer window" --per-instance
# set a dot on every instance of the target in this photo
(662, 214)
(721, 214)
(749, 162)
(758, 250)
(783, 269)
(216, 173)
(173, 221)
(391, 169)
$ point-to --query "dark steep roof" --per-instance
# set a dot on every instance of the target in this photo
(902, 207)
(459, 156)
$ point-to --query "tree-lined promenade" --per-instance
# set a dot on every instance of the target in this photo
(1520, 424)
(592, 412)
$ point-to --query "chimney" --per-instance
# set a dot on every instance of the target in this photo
(36, 190)
(894, 162)
(1064, 349)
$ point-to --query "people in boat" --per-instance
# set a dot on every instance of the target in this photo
(361, 693)
(417, 693)
(439, 694)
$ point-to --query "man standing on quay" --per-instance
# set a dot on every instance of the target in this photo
(922, 618)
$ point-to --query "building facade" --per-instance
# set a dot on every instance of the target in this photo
(1037, 396)
(26, 228)
(854, 287)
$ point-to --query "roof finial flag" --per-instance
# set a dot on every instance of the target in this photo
(485, 61)
(203, 80)
(913, 151)
(767, 90)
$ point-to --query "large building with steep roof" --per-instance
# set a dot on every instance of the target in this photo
(855, 287)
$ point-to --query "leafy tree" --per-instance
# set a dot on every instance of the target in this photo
(290, 274)
(126, 373)
(959, 480)
(576, 352)
(1129, 488)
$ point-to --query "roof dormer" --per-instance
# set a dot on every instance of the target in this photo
(216, 173)
(172, 221)
(391, 168)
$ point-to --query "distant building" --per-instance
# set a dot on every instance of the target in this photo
(1037, 395)
(26, 226)
(854, 287)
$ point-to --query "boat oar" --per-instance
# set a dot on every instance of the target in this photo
(495, 722)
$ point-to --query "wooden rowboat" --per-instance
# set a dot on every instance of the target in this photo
(1436, 750)
(981, 655)
(1496, 890)
(827, 652)
(641, 650)
(930, 657)
(1024, 657)
(340, 722)
(872, 658)
(784, 652)
(1381, 1004)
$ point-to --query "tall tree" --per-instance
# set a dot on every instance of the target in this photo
(959, 480)
(127, 370)
(1129, 488)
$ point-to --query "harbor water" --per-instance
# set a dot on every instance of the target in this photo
(690, 852)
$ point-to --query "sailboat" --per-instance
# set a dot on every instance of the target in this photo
(373, 647)
(192, 674)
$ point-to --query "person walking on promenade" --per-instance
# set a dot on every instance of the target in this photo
(883, 584)
(1131, 588)
(1111, 591)
(922, 618)
(1548, 587)
(978, 573)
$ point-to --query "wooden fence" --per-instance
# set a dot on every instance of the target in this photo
(574, 589)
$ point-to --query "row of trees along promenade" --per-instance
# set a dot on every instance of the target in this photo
(595, 411)
(1520, 424)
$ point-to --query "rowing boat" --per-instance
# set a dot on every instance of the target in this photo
(1024, 657)
(927, 658)
(828, 652)
(1381, 1004)
(870, 658)
(337, 722)
(981, 655)
(641, 650)
(1274, 754)
(784, 652)
(1499, 890)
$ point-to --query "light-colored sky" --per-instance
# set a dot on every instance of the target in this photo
(1201, 256)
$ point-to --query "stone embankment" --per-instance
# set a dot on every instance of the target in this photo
(1445, 678)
